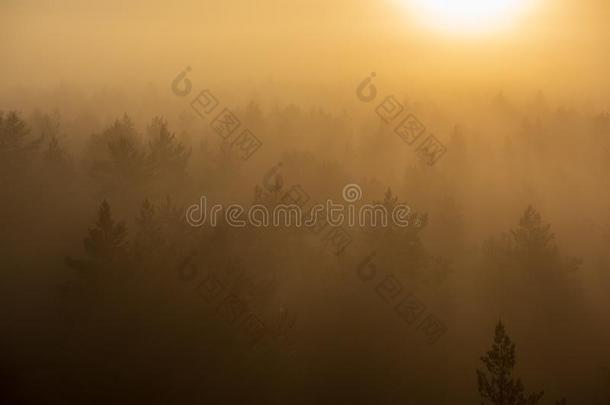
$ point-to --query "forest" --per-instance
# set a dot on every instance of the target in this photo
(495, 295)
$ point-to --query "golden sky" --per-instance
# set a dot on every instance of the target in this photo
(556, 44)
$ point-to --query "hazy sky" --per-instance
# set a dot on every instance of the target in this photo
(559, 43)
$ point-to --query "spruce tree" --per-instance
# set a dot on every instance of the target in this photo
(497, 385)
(118, 156)
(105, 246)
(167, 156)
(533, 239)
(16, 144)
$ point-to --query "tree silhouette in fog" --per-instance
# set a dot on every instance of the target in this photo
(497, 385)
(404, 245)
(534, 241)
(55, 155)
(530, 246)
(159, 229)
(128, 309)
(20, 180)
(167, 156)
(122, 159)
(45, 124)
(16, 146)
(105, 245)
(118, 156)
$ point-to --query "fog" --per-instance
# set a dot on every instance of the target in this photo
(117, 117)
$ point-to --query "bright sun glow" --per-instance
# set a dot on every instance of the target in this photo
(468, 16)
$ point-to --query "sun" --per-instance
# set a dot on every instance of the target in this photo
(468, 16)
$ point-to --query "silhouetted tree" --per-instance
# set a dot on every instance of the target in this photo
(55, 155)
(45, 125)
(404, 244)
(15, 145)
(105, 245)
(119, 160)
(107, 239)
(167, 156)
(497, 386)
(534, 241)
(531, 246)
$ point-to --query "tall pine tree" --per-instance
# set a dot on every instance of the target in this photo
(497, 386)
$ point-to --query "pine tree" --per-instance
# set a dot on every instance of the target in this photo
(46, 125)
(126, 157)
(107, 239)
(15, 143)
(54, 153)
(167, 156)
(13, 131)
(119, 160)
(531, 246)
(533, 238)
(497, 386)
(405, 242)
(57, 159)
(105, 245)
